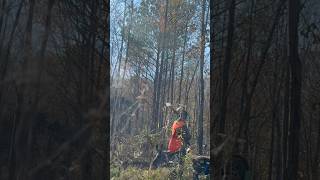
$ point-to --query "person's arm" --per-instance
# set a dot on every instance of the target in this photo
(186, 135)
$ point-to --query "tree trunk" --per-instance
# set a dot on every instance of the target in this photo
(315, 164)
(226, 66)
(286, 111)
(155, 101)
(24, 133)
(121, 46)
(2, 14)
(225, 80)
(295, 95)
(128, 42)
(182, 62)
(201, 95)
(163, 51)
(172, 68)
(4, 65)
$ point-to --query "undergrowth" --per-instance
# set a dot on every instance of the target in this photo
(176, 172)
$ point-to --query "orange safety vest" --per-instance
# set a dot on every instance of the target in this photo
(175, 142)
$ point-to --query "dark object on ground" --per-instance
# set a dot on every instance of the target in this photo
(163, 159)
(236, 168)
(200, 164)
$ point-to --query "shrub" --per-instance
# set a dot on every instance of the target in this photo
(139, 174)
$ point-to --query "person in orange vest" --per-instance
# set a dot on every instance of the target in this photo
(180, 136)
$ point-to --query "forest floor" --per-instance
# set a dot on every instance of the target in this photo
(131, 157)
(164, 173)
